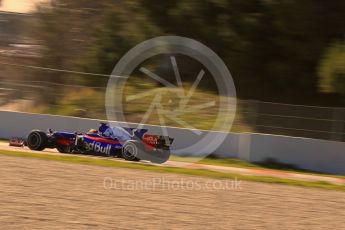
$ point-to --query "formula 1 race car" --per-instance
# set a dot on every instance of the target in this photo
(141, 146)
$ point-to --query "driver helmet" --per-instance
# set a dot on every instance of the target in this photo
(103, 127)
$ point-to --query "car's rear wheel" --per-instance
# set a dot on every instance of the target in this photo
(159, 156)
(37, 140)
(131, 150)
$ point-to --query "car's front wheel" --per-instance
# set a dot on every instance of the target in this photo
(64, 148)
(37, 140)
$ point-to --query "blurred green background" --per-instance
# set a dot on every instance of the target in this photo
(280, 51)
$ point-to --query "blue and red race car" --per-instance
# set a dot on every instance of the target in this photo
(139, 146)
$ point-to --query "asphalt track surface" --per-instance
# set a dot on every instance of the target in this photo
(226, 169)
(37, 194)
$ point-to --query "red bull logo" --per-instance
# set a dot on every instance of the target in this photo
(97, 147)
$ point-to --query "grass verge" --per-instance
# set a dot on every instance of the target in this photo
(159, 169)
(237, 163)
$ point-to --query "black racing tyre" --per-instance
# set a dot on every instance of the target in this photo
(37, 140)
(159, 156)
(63, 148)
(131, 150)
